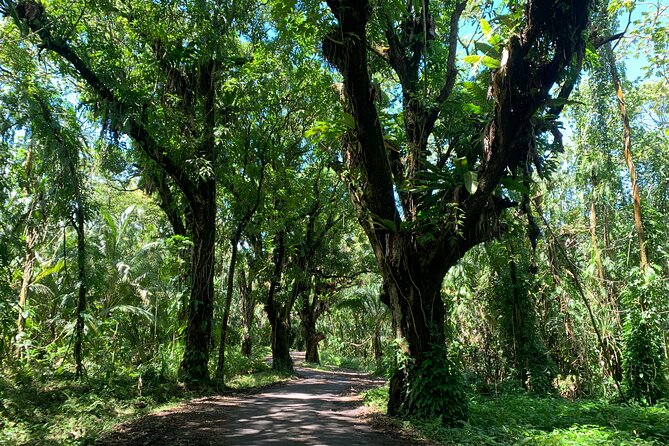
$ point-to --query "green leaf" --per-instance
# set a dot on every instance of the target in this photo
(51, 270)
(492, 38)
(385, 223)
(472, 58)
(348, 120)
(471, 181)
(461, 165)
(485, 27)
(129, 309)
(514, 185)
(490, 62)
(488, 50)
(485, 60)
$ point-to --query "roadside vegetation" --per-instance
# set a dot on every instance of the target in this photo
(468, 198)
(39, 408)
(517, 418)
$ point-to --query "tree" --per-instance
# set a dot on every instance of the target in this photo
(245, 206)
(416, 243)
(56, 141)
(154, 77)
(337, 260)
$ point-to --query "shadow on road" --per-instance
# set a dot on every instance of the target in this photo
(320, 408)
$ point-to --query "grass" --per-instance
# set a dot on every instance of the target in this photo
(257, 380)
(59, 411)
(49, 410)
(344, 362)
(526, 420)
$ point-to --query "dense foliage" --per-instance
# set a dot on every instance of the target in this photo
(467, 197)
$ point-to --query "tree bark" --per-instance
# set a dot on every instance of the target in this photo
(627, 154)
(201, 196)
(309, 314)
(411, 264)
(278, 319)
(414, 291)
(312, 342)
(81, 294)
(194, 364)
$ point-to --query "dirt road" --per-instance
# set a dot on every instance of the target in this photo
(320, 408)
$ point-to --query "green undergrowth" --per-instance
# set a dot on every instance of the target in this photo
(345, 362)
(536, 421)
(257, 380)
(60, 411)
(45, 409)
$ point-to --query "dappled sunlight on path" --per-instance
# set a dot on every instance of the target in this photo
(320, 408)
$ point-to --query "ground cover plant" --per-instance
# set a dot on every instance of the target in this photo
(38, 408)
(542, 421)
(467, 198)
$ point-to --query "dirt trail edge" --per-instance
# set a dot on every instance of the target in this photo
(319, 408)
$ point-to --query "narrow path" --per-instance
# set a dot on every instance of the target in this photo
(320, 408)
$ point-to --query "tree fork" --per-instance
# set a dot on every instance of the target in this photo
(412, 268)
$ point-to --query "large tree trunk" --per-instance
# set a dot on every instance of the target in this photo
(313, 305)
(427, 383)
(311, 337)
(312, 342)
(201, 197)
(194, 365)
(413, 265)
(279, 319)
(281, 341)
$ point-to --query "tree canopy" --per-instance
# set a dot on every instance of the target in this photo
(464, 193)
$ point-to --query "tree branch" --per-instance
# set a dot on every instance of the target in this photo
(39, 24)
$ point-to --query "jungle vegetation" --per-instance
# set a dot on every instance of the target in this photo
(467, 197)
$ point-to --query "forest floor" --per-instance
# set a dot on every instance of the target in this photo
(319, 407)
